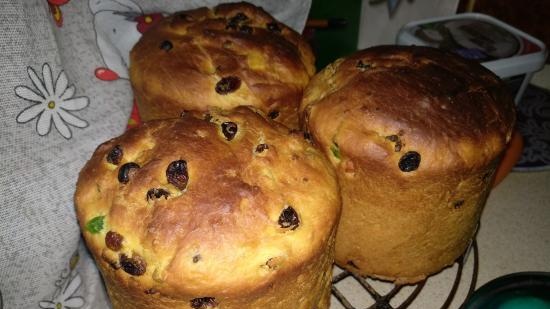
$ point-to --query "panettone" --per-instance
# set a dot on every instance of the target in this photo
(234, 54)
(415, 134)
(229, 211)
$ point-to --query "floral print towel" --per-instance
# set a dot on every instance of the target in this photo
(64, 89)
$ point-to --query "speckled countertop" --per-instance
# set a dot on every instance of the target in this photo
(514, 236)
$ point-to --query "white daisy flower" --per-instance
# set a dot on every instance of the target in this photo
(52, 102)
(64, 297)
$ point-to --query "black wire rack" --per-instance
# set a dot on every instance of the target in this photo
(382, 300)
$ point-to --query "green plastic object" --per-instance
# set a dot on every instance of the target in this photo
(334, 42)
(524, 290)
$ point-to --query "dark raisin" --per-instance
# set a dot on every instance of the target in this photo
(409, 161)
(261, 148)
(176, 173)
(229, 130)
(135, 265)
(273, 114)
(239, 17)
(113, 240)
(185, 17)
(245, 29)
(458, 204)
(157, 193)
(115, 155)
(231, 25)
(228, 84)
(127, 171)
(395, 139)
(203, 303)
(236, 21)
(197, 258)
(362, 66)
(150, 291)
(289, 218)
(274, 27)
(398, 146)
(207, 117)
(166, 45)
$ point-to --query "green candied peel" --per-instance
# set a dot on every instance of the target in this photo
(95, 225)
(335, 149)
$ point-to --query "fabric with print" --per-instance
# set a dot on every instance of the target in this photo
(64, 89)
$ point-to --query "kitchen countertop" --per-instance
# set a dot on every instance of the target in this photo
(515, 226)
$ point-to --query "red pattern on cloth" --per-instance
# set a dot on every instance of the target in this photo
(135, 119)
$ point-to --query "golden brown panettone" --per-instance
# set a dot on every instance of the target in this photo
(234, 54)
(415, 135)
(224, 212)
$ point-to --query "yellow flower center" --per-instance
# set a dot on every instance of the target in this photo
(148, 19)
(51, 105)
(58, 306)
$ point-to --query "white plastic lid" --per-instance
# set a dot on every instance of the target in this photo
(501, 48)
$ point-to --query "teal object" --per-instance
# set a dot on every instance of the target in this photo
(525, 290)
(525, 303)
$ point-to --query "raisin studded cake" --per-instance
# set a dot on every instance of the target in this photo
(226, 211)
(415, 135)
(233, 54)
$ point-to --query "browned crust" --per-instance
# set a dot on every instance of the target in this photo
(366, 112)
(437, 102)
(274, 67)
(228, 213)
(302, 288)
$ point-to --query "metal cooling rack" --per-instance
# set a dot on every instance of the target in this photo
(382, 300)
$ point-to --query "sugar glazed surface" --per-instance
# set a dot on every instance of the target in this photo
(228, 211)
(234, 54)
(415, 134)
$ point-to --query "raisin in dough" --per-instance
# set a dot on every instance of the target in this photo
(415, 135)
(226, 211)
(234, 54)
